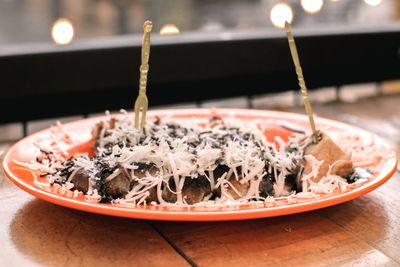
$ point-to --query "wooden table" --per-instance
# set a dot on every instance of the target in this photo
(362, 232)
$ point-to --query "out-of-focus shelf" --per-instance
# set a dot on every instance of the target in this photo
(46, 85)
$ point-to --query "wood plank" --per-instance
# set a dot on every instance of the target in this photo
(298, 240)
(34, 232)
(374, 217)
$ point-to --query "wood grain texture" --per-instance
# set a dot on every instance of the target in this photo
(306, 239)
(374, 218)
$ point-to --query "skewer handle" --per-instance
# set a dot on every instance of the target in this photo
(302, 83)
(144, 67)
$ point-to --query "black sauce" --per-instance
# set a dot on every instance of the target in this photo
(266, 185)
(358, 174)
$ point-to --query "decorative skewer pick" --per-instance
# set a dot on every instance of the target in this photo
(142, 103)
(299, 72)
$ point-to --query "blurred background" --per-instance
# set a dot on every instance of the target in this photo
(64, 22)
(63, 60)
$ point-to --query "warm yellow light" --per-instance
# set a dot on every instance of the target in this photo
(373, 2)
(169, 29)
(62, 31)
(312, 6)
(280, 13)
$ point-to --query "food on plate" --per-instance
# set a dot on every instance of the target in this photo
(330, 159)
(222, 161)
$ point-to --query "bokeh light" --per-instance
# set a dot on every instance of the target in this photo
(312, 6)
(62, 31)
(373, 2)
(169, 29)
(280, 13)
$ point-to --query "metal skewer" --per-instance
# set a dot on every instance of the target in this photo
(142, 103)
(293, 50)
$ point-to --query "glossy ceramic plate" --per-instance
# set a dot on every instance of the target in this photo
(80, 131)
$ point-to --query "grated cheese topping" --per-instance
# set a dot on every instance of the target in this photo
(224, 162)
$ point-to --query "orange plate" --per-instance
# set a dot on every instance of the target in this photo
(24, 151)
